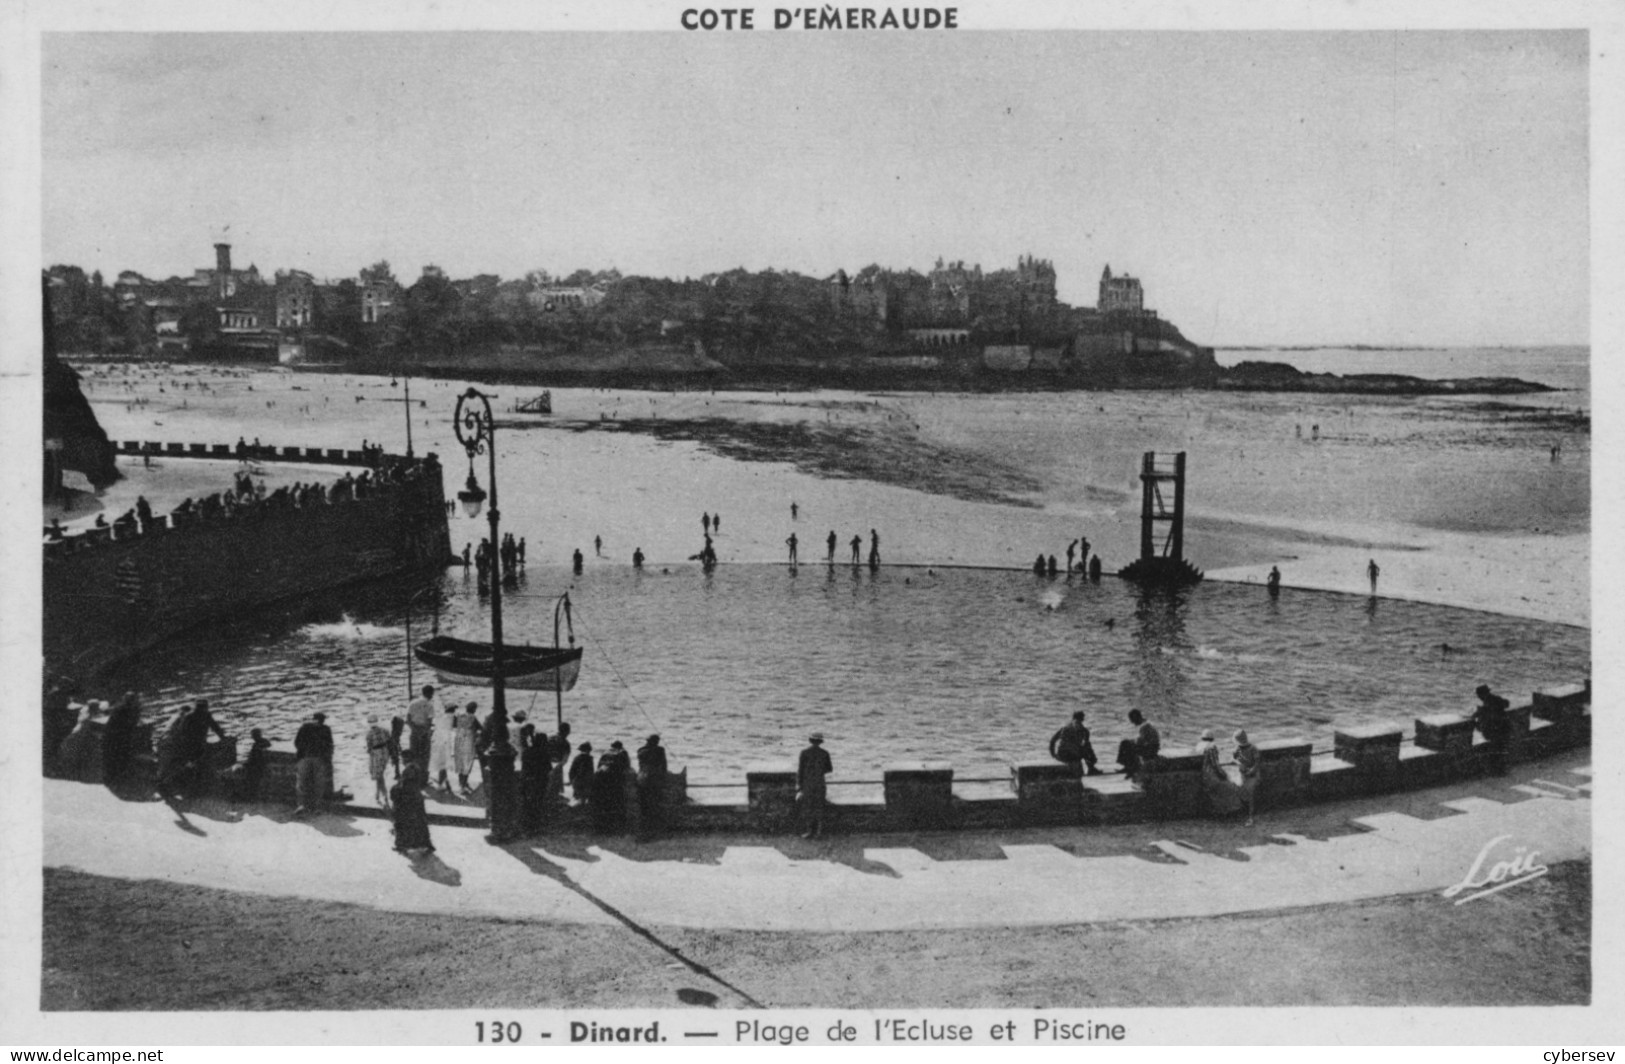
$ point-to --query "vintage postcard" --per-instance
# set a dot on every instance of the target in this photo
(663, 525)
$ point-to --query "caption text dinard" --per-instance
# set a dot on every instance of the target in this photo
(883, 1030)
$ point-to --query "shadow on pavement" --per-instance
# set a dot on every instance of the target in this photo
(429, 866)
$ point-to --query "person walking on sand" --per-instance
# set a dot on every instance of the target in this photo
(716, 523)
(598, 546)
(1083, 552)
(857, 549)
(705, 523)
(811, 769)
(1273, 583)
(637, 558)
(1372, 572)
(1247, 762)
(874, 548)
(378, 758)
(794, 509)
(791, 543)
(1071, 550)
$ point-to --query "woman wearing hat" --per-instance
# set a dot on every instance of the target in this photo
(1247, 759)
(1223, 796)
(581, 775)
(378, 758)
(813, 766)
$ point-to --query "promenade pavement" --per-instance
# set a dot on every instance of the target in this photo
(1396, 844)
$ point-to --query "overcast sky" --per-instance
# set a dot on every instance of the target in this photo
(1409, 188)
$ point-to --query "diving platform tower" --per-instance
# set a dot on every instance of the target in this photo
(1162, 523)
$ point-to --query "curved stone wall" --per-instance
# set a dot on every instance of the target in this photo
(111, 592)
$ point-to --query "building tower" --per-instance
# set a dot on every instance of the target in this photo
(222, 271)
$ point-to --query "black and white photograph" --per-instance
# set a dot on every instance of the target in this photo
(670, 525)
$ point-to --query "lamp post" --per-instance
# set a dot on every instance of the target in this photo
(407, 409)
(476, 431)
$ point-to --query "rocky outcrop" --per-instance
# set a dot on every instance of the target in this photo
(68, 417)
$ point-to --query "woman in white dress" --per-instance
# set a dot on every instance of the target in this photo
(441, 742)
(1223, 796)
(467, 726)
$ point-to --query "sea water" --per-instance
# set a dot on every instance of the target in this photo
(911, 663)
(974, 667)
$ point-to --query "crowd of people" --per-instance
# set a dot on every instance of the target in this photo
(1078, 560)
(620, 793)
(509, 555)
(1139, 754)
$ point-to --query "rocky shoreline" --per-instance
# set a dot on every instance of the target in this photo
(1247, 377)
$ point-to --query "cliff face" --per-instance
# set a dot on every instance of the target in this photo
(68, 417)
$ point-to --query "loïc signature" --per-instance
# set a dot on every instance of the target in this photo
(1521, 868)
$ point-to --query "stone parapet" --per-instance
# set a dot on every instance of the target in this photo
(1561, 704)
(771, 797)
(1173, 786)
(1373, 750)
(1047, 792)
(920, 794)
(1367, 760)
(1283, 772)
(1446, 733)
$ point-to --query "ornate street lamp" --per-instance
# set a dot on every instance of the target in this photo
(406, 407)
(476, 431)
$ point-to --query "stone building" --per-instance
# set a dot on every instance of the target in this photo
(1121, 293)
(865, 296)
(295, 299)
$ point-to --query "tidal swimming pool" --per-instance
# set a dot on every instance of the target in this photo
(974, 667)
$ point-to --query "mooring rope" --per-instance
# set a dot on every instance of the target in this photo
(633, 695)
